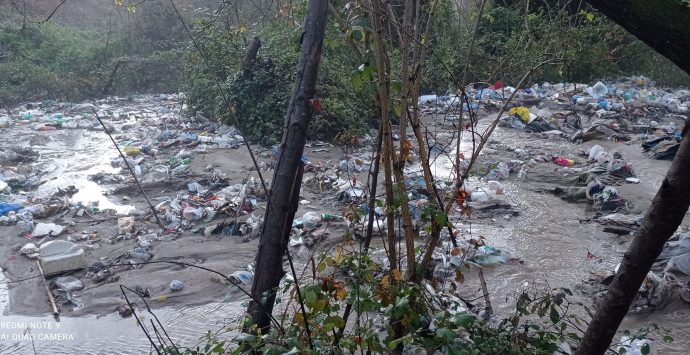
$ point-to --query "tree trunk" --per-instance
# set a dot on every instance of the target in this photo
(383, 92)
(250, 55)
(284, 195)
(111, 78)
(663, 25)
(374, 180)
(661, 221)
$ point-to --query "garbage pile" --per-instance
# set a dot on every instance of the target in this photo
(54, 195)
(661, 286)
(632, 109)
(628, 109)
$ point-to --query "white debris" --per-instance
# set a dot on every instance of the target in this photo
(47, 229)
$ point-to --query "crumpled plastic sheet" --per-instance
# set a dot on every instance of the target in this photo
(676, 255)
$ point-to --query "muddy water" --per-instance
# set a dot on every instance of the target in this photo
(67, 158)
(548, 236)
(110, 334)
(73, 159)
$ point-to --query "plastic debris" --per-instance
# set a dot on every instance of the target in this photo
(59, 255)
(69, 283)
(176, 285)
(47, 229)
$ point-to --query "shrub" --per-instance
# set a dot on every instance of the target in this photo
(260, 98)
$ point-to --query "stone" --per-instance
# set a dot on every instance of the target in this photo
(30, 250)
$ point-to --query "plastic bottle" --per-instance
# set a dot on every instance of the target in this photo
(563, 161)
(600, 89)
(331, 217)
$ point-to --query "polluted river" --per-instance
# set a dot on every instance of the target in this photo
(201, 181)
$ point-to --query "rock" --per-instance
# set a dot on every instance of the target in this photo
(30, 250)
(59, 255)
(139, 255)
(124, 311)
(69, 283)
(47, 229)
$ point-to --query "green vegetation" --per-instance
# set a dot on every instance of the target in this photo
(58, 61)
(582, 46)
(150, 52)
(260, 97)
(433, 319)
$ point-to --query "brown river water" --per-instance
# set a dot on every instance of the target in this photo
(548, 235)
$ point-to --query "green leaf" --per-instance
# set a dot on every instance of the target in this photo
(357, 82)
(645, 349)
(464, 320)
(396, 86)
(622, 350)
(219, 349)
(445, 334)
(668, 339)
(310, 299)
(553, 315)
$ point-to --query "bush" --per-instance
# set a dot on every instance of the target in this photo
(260, 99)
(56, 61)
(585, 46)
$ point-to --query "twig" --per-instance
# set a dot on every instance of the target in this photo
(148, 309)
(51, 299)
(153, 209)
(300, 298)
(485, 290)
(38, 22)
(141, 325)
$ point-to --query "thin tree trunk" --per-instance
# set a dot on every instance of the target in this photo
(372, 191)
(661, 221)
(250, 55)
(284, 195)
(111, 78)
(383, 91)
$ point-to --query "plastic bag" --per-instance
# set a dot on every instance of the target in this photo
(311, 220)
(595, 152)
